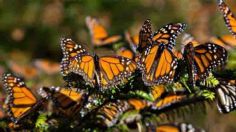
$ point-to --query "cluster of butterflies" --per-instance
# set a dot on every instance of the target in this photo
(152, 57)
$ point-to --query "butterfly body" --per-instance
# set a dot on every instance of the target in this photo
(156, 60)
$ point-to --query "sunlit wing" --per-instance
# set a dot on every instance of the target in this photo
(158, 65)
(114, 70)
(99, 34)
(229, 18)
(77, 60)
(21, 100)
(167, 34)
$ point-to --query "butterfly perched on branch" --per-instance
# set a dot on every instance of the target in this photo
(104, 72)
(157, 61)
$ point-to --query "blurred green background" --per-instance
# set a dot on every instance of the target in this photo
(31, 29)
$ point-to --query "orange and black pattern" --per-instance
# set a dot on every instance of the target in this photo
(68, 101)
(168, 100)
(158, 65)
(113, 70)
(167, 35)
(77, 60)
(226, 41)
(99, 34)
(229, 18)
(204, 58)
(21, 100)
(109, 70)
(109, 113)
(145, 36)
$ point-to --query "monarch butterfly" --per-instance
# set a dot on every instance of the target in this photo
(99, 34)
(124, 52)
(22, 101)
(175, 127)
(157, 61)
(226, 96)
(109, 70)
(202, 59)
(132, 40)
(226, 41)
(158, 65)
(109, 113)
(68, 101)
(229, 18)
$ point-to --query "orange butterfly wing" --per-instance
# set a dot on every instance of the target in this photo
(99, 34)
(168, 100)
(203, 58)
(229, 18)
(226, 41)
(21, 99)
(167, 34)
(67, 101)
(114, 70)
(158, 65)
(77, 60)
(209, 56)
(109, 113)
